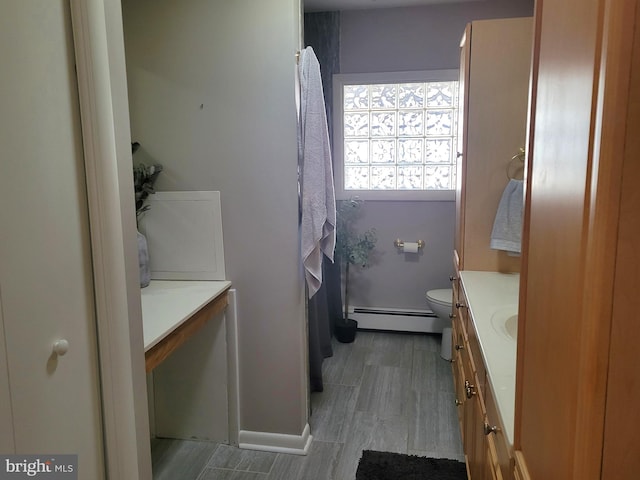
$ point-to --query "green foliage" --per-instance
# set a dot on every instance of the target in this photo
(351, 246)
(143, 179)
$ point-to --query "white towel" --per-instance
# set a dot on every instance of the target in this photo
(318, 202)
(507, 227)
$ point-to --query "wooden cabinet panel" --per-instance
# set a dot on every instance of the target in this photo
(492, 127)
(461, 178)
(580, 288)
(622, 429)
(567, 366)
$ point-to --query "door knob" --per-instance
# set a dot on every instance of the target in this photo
(60, 347)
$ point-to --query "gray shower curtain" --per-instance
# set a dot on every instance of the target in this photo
(322, 33)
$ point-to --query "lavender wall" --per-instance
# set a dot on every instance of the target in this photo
(401, 39)
(416, 38)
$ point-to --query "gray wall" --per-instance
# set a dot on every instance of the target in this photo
(404, 39)
(211, 87)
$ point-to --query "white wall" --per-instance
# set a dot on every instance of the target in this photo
(211, 88)
(45, 250)
(404, 39)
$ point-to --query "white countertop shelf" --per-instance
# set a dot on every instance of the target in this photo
(492, 297)
(167, 304)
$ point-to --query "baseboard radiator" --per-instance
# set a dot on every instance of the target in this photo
(397, 320)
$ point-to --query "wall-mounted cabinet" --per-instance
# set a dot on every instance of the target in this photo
(495, 69)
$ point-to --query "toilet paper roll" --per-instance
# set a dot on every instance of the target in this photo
(410, 247)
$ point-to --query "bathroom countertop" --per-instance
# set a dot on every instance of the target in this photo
(492, 297)
(167, 304)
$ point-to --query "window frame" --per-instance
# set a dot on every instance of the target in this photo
(342, 79)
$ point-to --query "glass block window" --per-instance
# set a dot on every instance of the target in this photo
(395, 135)
(399, 136)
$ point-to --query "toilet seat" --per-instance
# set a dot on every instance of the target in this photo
(441, 296)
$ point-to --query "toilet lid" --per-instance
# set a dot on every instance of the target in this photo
(443, 296)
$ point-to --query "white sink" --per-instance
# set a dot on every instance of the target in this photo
(505, 322)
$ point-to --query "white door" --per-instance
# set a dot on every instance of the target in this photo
(46, 289)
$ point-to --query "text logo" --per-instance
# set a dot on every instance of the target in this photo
(50, 467)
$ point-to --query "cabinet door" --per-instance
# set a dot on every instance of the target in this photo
(45, 273)
(475, 428)
(491, 468)
(463, 85)
(458, 373)
(493, 123)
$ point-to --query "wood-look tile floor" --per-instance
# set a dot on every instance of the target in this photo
(386, 391)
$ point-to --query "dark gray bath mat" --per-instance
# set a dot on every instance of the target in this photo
(396, 466)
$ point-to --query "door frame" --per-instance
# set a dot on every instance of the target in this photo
(104, 111)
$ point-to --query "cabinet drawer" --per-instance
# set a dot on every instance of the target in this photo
(460, 309)
(502, 448)
(455, 286)
(458, 379)
(476, 355)
(458, 373)
(461, 346)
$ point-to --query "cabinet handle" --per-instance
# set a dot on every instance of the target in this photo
(469, 388)
(458, 402)
(460, 305)
(452, 316)
(490, 428)
(452, 278)
(459, 347)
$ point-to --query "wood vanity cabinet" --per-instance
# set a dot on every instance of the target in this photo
(486, 451)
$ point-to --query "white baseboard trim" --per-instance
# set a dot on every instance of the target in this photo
(276, 442)
(394, 320)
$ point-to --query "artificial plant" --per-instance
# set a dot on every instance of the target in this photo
(144, 177)
(352, 247)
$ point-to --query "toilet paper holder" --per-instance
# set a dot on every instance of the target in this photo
(400, 243)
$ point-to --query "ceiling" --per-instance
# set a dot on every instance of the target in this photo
(332, 5)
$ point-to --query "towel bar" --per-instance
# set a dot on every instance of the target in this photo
(518, 156)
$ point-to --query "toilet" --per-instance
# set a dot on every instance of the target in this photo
(439, 302)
